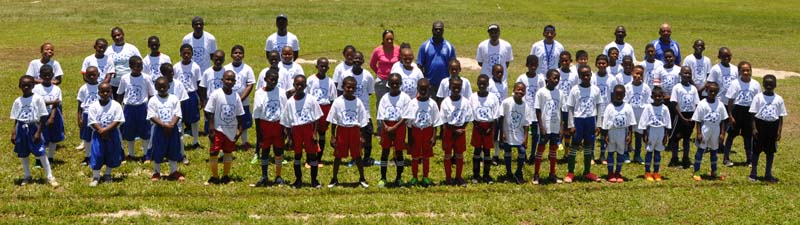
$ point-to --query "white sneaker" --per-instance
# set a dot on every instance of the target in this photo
(80, 146)
(95, 182)
(364, 184)
(52, 181)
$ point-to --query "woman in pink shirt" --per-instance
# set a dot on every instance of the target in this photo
(383, 57)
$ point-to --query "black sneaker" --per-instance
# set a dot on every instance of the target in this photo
(495, 161)
(334, 182)
(488, 179)
(673, 163)
(518, 178)
(225, 180)
(212, 180)
(461, 182)
(554, 179)
(297, 184)
(475, 179)
(686, 164)
(771, 179)
(279, 181)
(261, 182)
(85, 161)
(315, 184)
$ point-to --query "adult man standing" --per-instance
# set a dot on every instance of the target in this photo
(276, 41)
(666, 42)
(547, 50)
(434, 56)
(624, 49)
(494, 51)
(203, 43)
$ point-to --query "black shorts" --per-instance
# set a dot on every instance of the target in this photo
(744, 121)
(766, 140)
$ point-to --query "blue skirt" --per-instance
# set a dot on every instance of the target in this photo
(25, 145)
(106, 152)
(165, 145)
(190, 109)
(86, 131)
(54, 133)
(136, 124)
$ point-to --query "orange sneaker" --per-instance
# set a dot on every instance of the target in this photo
(648, 177)
(697, 177)
(569, 177)
(657, 177)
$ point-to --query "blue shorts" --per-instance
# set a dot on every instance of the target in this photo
(552, 138)
(25, 145)
(136, 124)
(55, 132)
(584, 131)
(247, 118)
(86, 131)
(190, 109)
(165, 145)
(106, 152)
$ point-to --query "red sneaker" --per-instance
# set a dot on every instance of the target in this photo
(591, 177)
(177, 176)
(657, 177)
(155, 177)
(612, 178)
(569, 178)
(620, 179)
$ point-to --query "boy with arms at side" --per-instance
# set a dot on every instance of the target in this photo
(105, 117)
(769, 109)
(225, 108)
(516, 117)
(637, 94)
(323, 89)
(583, 103)
(709, 116)
(152, 63)
(300, 115)
(364, 87)
(164, 111)
(486, 108)
(348, 117)
(87, 95)
(423, 117)
(548, 113)
(533, 82)
(188, 73)
(135, 89)
(654, 122)
(394, 127)
(269, 103)
(700, 66)
(456, 113)
(685, 99)
(210, 81)
(53, 129)
(618, 121)
(740, 98)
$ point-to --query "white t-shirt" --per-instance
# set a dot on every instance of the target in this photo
(87, 95)
(444, 88)
(136, 89)
(710, 115)
(29, 110)
(485, 109)
(244, 77)
(625, 78)
(624, 49)
(225, 109)
(655, 116)
(211, 80)
(36, 64)
(499, 89)
(365, 86)
(152, 65)
(700, 70)
(618, 117)
(300, 111)
(48, 94)
(410, 77)
(277, 42)
(637, 96)
(456, 113)
(201, 48)
(104, 66)
(606, 85)
(548, 55)
(651, 72)
(286, 75)
(422, 114)
(515, 118)
(188, 75)
(489, 55)
(724, 77)
(104, 115)
(392, 107)
(549, 103)
(584, 101)
(742, 92)
(768, 108)
(686, 97)
(348, 113)
(177, 89)
(120, 56)
(532, 85)
(669, 77)
(565, 84)
(324, 90)
(269, 105)
(614, 70)
(339, 70)
(164, 108)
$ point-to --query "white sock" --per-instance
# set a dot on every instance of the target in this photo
(87, 149)
(85, 144)
(497, 150)
(46, 165)
(51, 150)
(156, 167)
(130, 149)
(195, 132)
(183, 151)
(173, 167)
(26, 167)
(108, 171)
(244, 136)
(96, 174)
(145, 146)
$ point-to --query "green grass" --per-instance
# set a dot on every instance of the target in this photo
(763, 32)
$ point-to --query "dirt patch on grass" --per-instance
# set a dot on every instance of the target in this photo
(134, 213)
(306, 217)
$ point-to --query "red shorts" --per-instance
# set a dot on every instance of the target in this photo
(399, 142)
(221, 142)
(303, 138)
(322, 123)
(348, 142)
(451, 143)
(479, 140)
(421, 147)
(271, 134)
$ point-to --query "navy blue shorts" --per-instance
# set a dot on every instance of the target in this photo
(86, 131)
(25, 145)
(165, 145)
(247, 118)
(584, 131)
(54, 133)
(106, 152)
(136, 124)
(190, 109)
(552, 138)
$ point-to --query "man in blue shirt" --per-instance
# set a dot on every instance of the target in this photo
(434, 54)
(666, 42)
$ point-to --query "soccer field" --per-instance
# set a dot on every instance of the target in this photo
(762, 32)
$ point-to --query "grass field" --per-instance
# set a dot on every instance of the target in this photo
(763, 32)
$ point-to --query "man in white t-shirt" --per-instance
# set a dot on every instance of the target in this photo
(281, 38)
(203, 43)
(547, 50)
(494, 51)
(623, 47)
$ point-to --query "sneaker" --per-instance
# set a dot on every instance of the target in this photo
(333, 183)
(518, 179)
(649, 177)
(475, 179)
(25, 181)
(52, 182)
(284, 162)
(363, 183)
(315, 184)
(85, 161)
(728, 163)
(591, 177)
(279, 181)
(697, 177)
(80, 146)
(177, 176)
(297, 184)
(448, 182)
(382, 183)
(627, 161)
(591, 162)
(488, 179)
(351, 163)
(620, 179)
(752, 179)
(95, 182)
(569, 177)
(605, 162)
(535, 180)
(398, 182)
(37, 164)
(461, 182)
(771, 179)
(554, 179)
(612, 178)
(262, 182)
(108, 178)
(212, 180)
(307, 166)
(155, 177)
(185, 160)
(413, 181)
(426, 182)
(246, 146)
(495, 161)
(686, 164)
(657, 177)
(225, 180)
(638, 159)
(672, 163)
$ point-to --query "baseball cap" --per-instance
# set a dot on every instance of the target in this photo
(493, 26)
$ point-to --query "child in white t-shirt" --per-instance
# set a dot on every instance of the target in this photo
(408, 70)
(486, 110)
(244, 86)
(87, 94)
(288, 70)
(652, 66)
(583, 103)
(103, 63)
(267, 108)
(627, 71)
(365, 87)
(225, 107)
(454, 67)
(348, 117)
(684, 99)
(605, 81)
(769, 109)
(134, 90)
(709, 115)
(35, 65)
(548, 113)
(152, 63)
(516, 117)
(188, 74)
(210, 81)
(164, 112)
(613, 68)
(533, 82)
(29, 113)
(700, 65)
(120, 53)
(105, 117)
(345, 65)
(53, 129)
(323, 89)
(394, 126)
(637, 94)
(300, 115)
(456, 114)
(618, 121)
(740, 98)
(423, 117)
(568, 79)
(654, 122)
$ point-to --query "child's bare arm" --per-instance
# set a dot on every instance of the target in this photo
(14, 134)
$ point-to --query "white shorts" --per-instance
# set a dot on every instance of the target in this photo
(710, 140)
(637, 113)
(655, 139)
(616, 140)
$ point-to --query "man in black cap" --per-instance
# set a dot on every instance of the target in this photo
(276, 41)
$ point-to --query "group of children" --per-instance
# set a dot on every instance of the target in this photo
(652, 106)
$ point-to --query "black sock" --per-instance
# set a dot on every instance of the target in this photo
(487, 162)
(476, 162)
(400, 163)
(384, 162)
(298, 173)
